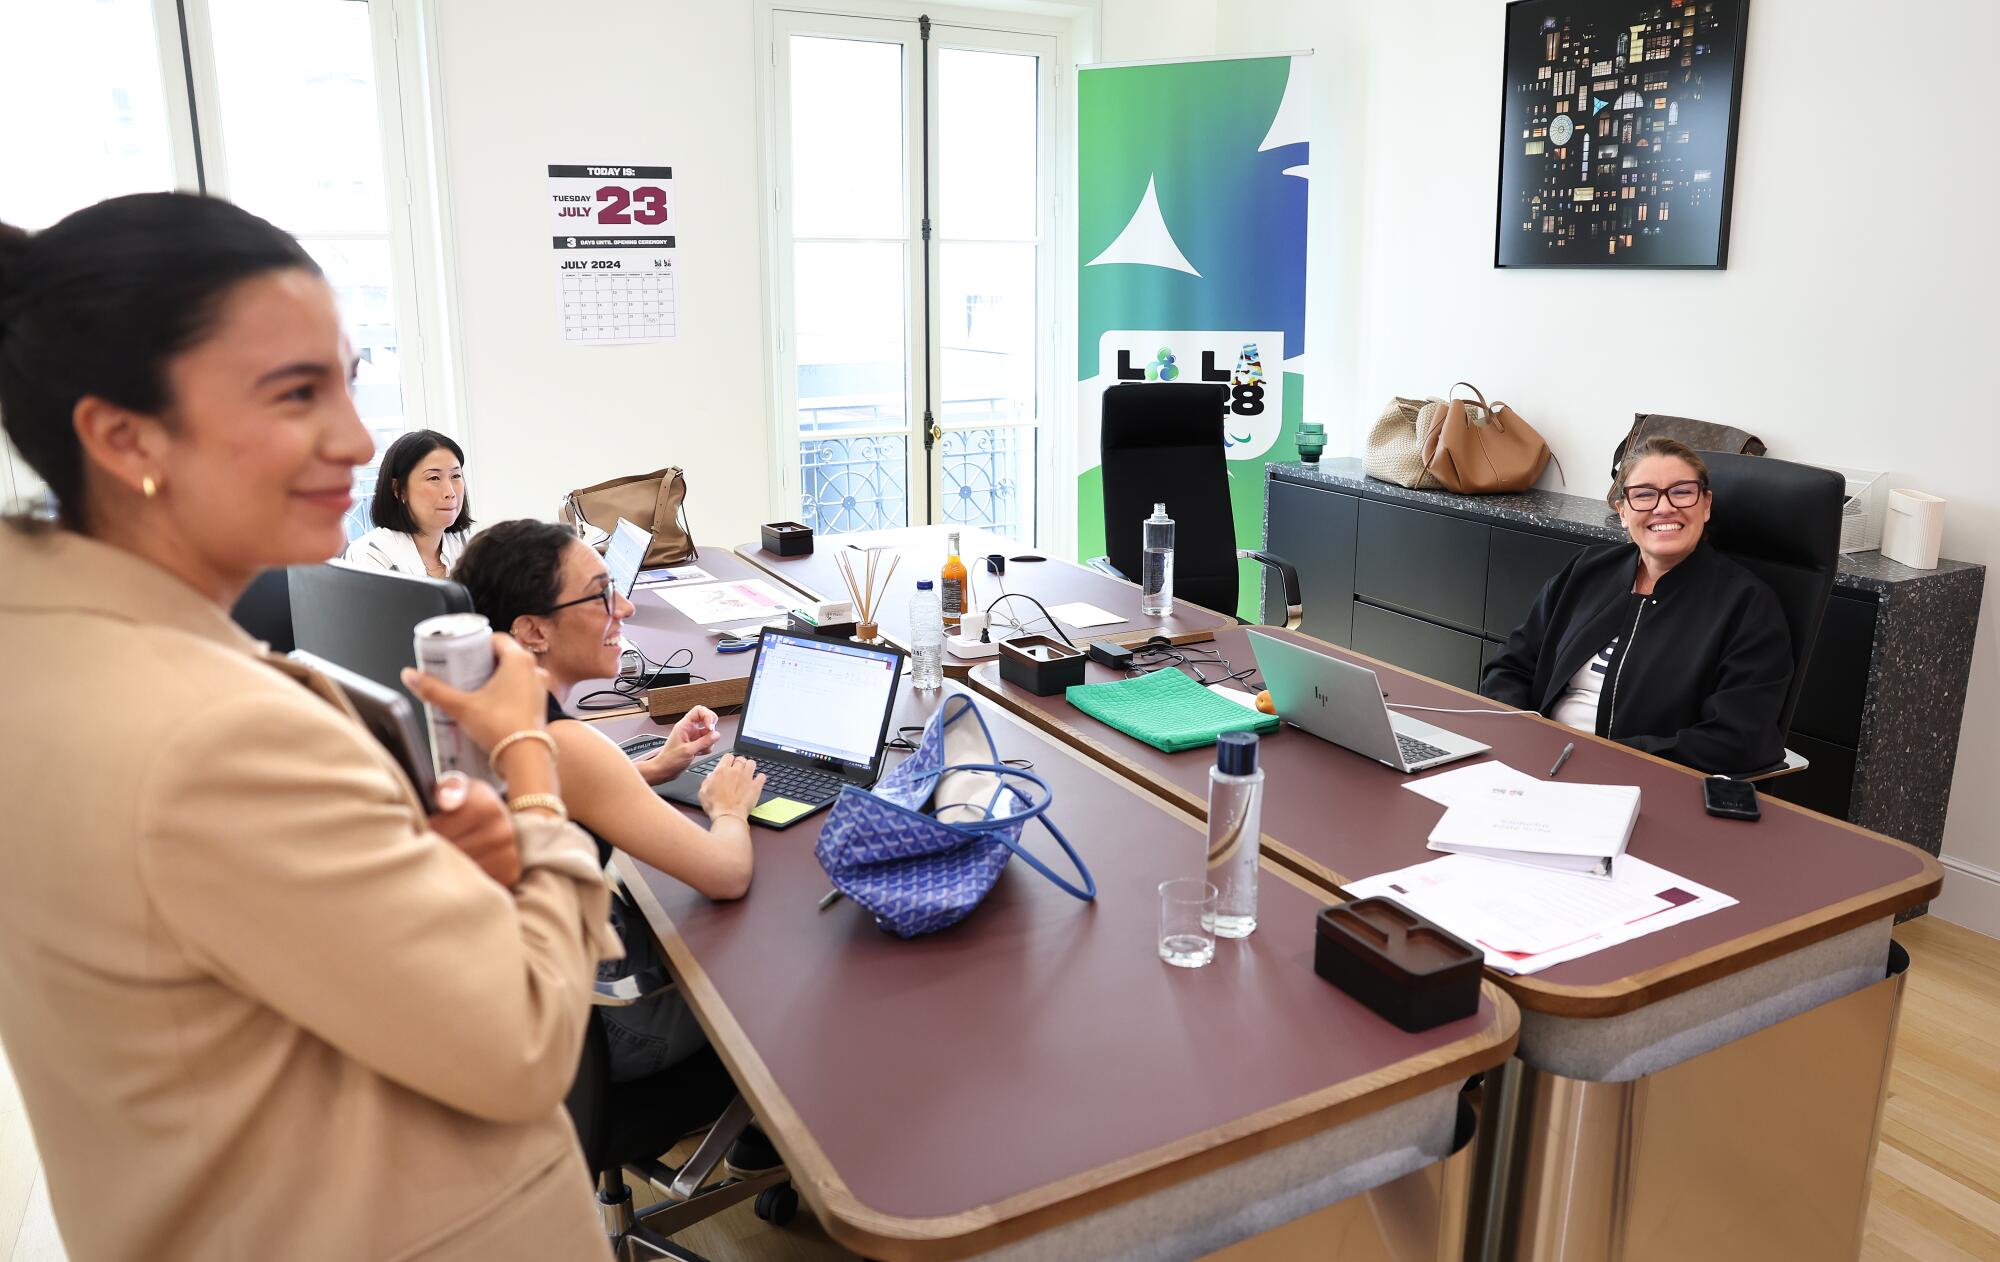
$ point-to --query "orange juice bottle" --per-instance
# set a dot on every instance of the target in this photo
(951, 587)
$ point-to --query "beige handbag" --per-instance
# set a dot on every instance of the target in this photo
(1484, 450)
(654, 501)
(1395, 450)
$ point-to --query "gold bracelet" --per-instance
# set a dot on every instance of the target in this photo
(717, 819)
(508, 742)
(539, 802)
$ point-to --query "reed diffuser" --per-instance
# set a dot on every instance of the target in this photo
(863, 590)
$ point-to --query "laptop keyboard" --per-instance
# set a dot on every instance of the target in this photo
(1415, 751)
(800, 784)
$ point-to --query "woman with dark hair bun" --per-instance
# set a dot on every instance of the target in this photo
(259, 1004)
(420, 509)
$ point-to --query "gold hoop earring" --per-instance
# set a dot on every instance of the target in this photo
(149, 486)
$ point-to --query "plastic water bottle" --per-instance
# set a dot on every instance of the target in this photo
(926, 638)
(1235, 823)
(1156, 579)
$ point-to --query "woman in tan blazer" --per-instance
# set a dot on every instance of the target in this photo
(258, 1005)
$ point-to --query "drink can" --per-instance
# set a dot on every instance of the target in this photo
(458, 649)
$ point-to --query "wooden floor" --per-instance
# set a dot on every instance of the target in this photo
(1937, 1173)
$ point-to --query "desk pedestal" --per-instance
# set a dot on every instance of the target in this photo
(1420, 1217)
(1761, 1148)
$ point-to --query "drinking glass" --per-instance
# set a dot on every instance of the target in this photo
(1187, 922)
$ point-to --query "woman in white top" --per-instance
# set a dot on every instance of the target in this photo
(420, 510)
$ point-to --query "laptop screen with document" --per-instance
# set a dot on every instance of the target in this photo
(821, 699)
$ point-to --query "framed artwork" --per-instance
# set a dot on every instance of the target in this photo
(1618, 132)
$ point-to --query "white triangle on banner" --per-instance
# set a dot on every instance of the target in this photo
(1293, 123)
(1145, 240)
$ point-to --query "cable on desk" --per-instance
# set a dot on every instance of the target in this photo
(625, 692)
(1018, 627)
(1158, 653)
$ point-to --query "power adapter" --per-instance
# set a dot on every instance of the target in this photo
(1105, 653)
(668, 679)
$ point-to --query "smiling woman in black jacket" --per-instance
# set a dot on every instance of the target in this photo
(1663, 644)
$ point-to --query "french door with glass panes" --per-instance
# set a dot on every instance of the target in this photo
(914, 219)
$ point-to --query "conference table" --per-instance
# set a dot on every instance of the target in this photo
(662, 632)
(1035, 1082)
(920, 551)
(1708, 1090)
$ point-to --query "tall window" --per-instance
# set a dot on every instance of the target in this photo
(281, 107)
(914, 281)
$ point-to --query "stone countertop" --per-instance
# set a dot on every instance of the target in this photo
(1576, 515)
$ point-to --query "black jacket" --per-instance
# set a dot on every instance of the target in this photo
(1700, 671)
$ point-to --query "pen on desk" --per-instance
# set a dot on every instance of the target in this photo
(1562, 758)
(829, 899)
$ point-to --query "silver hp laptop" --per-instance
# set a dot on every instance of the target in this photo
(1342, 703)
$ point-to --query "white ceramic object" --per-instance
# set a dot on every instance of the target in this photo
(1913, 529)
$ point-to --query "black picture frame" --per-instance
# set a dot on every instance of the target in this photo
(1667, 120)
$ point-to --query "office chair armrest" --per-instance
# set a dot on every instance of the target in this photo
(1792, 764)
(630, 989)
(1103, 566)
(1289, 576)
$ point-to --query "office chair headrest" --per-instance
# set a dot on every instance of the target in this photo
(1775, 510)
(1155, 414)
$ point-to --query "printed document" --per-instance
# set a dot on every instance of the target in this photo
(714, 603)
(1502, 813)
(1526, 919)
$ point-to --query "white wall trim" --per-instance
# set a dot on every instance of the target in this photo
(1970, 898)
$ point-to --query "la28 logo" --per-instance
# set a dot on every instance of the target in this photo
(1245, 380)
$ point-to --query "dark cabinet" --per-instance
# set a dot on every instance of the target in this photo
(1422, 563)
(1314, 530)
(1413, 644)
(1518, 566)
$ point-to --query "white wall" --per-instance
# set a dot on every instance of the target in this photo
(635, 81)
(1852, 326)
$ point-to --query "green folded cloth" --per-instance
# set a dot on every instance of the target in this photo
(1167, 710)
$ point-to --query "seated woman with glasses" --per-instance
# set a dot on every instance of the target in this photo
(1663, 643)
(552, 592)
(420, 510)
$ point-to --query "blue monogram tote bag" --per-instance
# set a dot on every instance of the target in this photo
(926, 844)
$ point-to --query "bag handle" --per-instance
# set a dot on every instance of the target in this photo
(1483, 405)
(1037, 810)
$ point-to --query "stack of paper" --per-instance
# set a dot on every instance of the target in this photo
(714, 603)
(1500, 813)
(1526, 919)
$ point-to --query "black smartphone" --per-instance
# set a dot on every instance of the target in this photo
(1731, 799)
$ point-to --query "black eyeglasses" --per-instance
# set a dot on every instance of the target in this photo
(1643, 499)
(605, 595)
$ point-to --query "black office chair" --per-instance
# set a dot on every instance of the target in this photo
(1781, 521)
(625, 1126)
(265, 610)
(1161, 442)
(365, 618)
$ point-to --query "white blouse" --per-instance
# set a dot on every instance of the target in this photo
(395, 551)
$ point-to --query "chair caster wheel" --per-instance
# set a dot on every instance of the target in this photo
(778, 1205)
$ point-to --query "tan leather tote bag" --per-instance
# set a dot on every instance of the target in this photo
(1484, 450)
(1395, 451)
(656, 501)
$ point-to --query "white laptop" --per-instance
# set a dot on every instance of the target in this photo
(1340, 702)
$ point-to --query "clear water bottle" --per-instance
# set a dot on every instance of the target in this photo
(1156, 579)
(926, 637)
(1235, 823)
